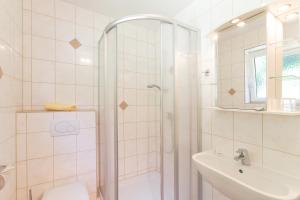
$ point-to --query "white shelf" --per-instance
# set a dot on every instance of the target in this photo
(256, 112)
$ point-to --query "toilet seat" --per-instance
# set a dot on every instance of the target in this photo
(73, 191)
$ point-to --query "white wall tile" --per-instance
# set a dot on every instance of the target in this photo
(27, 22)
(84, 17)
(39, 145)
(84, 74)
(85, 35)
(131, 165)
(222, 124)
(281, 133)
(42, 93)
(65, 73)
(64, 52)
(130, 131)
(64, 166)
(84, 56)
(84, 95)
(64, 10)
(43, 48)
(21, 147)
(130, 148)
(40, 171)
(86, 140)
(86, 162)
(65, 144)
(39, 122)
(21, 123)
(65, 94)
(281, 162)
(65, 30)
(43, 6)
(43, 71)
(100, 21)
(223, 146)
(43, 26)
(206, 120)
(206, 142)
(248, 128)
(87, 119)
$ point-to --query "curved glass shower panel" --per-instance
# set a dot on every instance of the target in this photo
(148, 110)
(108, 77)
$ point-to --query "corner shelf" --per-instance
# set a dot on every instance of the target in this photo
(250, 111)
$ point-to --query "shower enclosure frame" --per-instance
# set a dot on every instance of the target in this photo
(175, 25)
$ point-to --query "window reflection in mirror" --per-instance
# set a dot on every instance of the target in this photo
(256, 74)
(290, 74)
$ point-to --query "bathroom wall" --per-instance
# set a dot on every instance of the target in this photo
(139, 123)
(60, 59)
(273, 140)
(60, 54)
(44, 161)
(10, 87)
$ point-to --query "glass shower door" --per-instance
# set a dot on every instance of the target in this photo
(139, 110)
(167, 112)
(148, 111)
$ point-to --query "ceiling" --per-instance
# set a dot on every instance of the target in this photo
(119, 8)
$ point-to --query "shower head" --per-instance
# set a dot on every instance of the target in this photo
(153, 86)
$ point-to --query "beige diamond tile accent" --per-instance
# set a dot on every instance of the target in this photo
(75, 43)
(123, 105)
(231, 91)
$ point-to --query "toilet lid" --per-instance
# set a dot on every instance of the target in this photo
(74, 191)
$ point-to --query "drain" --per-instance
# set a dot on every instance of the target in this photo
(241, 171)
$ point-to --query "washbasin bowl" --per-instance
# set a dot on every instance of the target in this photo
(240, 182)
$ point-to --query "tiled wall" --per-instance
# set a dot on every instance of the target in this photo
(10, 87)
(60, 54)
(139, 123)
(272, 140)
(44, 161)
(60, 59)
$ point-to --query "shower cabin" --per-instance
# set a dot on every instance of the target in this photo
(148, 103)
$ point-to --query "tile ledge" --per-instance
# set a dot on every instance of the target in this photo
(44, 111)
(256, 112)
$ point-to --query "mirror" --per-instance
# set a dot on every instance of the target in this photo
(258, 59)
(242, 64)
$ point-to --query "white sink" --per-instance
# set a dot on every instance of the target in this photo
(240, 182)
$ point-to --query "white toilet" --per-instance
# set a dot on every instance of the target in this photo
(73, 191)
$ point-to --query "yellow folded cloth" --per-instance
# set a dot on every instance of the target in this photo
(59, 107)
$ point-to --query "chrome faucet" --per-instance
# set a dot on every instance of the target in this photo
(243, 155)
